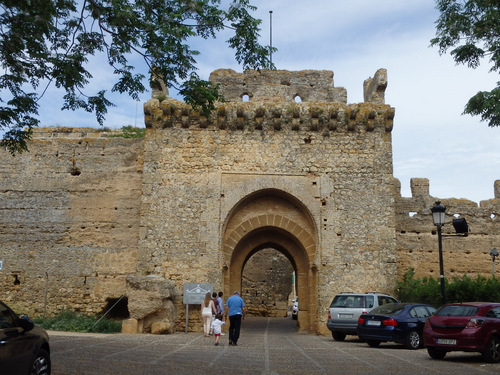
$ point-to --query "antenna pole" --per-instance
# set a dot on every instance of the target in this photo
(271, 35)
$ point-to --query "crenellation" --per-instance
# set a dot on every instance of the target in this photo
(416, 234)
(317, 116)
(374, 88)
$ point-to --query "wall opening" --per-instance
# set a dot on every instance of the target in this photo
(272, 219)
(267, 283)
(119, 308)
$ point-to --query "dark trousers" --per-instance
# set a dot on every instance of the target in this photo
(234, 328)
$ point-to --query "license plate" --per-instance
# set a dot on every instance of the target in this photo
(345, 316)
(373, 322)
(447, 341)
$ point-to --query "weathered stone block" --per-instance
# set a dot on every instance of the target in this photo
(130, 326)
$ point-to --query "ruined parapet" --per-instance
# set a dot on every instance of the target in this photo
(279, 86)
(417, 207)
(158, 87)
(417, 236)
(374, 88)
(271, 105)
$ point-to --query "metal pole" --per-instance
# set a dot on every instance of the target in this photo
(441, 267)
(271, 35)
(493, 270)
(106, 313)
(45, 296)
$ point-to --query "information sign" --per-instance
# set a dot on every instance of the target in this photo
(194, 293)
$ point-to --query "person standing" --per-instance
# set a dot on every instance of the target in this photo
(221, 303)
(235, 309)
(216, 304)
(207, 310)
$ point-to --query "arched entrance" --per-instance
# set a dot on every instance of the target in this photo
(268, 284)
(274, 219)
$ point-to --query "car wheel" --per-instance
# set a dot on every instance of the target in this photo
(436, 354)
(41, 364)
(373, 343)
(492, 352)
(294, 317)
(338, 336)
(413, 340)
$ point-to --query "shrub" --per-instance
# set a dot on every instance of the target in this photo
(70, 321)
(130, 132)
(465, 289)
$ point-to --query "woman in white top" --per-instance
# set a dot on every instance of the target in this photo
(207, 309)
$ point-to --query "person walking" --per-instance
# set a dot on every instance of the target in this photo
(207, 310)
(216, 327)
(235, 309)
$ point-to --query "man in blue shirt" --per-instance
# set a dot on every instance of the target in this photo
(235, 309)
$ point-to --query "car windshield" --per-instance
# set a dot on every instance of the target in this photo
(457, 310)
(391, 309)
(348, 301)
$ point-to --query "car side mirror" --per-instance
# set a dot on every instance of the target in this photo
(26, 323)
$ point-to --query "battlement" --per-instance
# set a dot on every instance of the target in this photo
(292, 116)
(279, 100)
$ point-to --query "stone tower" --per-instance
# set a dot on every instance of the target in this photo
(284, 163)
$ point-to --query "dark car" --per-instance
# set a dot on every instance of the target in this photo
(396, 322)
(24, 347)
(469, 327)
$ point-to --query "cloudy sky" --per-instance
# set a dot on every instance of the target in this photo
(458, 154)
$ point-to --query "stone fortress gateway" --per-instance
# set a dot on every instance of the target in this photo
(86, 218)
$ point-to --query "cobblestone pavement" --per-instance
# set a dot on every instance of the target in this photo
(266, 346)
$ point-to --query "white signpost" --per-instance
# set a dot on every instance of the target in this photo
(194, 294)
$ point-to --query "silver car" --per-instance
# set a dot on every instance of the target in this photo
(346, 308)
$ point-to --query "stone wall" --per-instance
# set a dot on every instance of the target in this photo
(267, 284)
(198, 198)
(69, 220)
(417, 241)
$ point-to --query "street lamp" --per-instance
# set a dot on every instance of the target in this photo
(438, 217)
(461, 228)
(494, 254)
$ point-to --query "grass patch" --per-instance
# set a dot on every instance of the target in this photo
(74, 322)
(130, 132)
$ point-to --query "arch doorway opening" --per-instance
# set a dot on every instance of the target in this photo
(263, 230)
(268, 284)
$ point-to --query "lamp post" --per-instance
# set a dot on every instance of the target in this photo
(494, 254)
(438, 214)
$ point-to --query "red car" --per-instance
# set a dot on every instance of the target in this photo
(469, 327)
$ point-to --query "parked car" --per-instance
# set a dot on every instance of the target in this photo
(295, 308)
(346, 308)
(24, 347)
(396, 322)
(469, 327)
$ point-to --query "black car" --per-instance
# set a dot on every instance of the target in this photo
(402, 323)
(24, 347)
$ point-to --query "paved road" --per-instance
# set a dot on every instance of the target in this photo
(266, 346)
